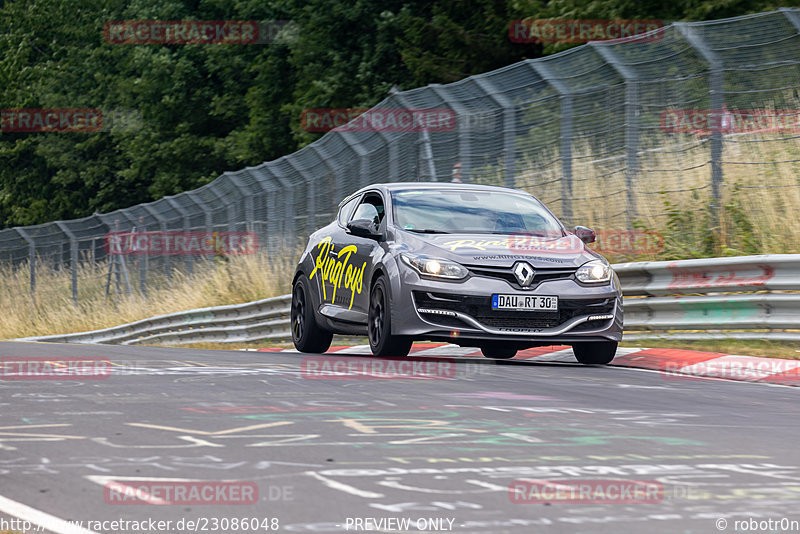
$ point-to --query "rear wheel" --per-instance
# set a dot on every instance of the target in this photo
(379, 322)
(307, 335)
(595, 352)
(498, 351)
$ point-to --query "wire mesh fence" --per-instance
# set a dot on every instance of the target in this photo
(693, 127)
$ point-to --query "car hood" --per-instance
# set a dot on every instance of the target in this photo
(500, 250)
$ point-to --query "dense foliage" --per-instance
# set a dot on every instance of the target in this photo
(177, 116)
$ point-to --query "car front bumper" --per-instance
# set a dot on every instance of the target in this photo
(460, 312)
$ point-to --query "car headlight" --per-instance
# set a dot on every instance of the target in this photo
(594, 272)
(435, 267)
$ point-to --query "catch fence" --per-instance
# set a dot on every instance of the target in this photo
(691, 130)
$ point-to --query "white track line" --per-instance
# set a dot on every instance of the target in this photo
(46, 521)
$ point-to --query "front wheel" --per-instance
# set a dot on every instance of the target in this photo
(595, 352)
(379, 321)
(307, 335)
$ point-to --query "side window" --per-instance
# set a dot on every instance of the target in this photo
(346, 210)
(370, 208)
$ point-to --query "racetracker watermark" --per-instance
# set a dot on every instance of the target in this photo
(378, 120)
(30, 120)
(552, 243)
(177, 243)
(167, 492)
(586, 491)
(355, 368)
(707, 121)
(628, 242)
(191, 31)
(44, 368)
(732, 368)
(582, 31)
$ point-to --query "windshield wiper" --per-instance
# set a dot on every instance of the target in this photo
(426, 231)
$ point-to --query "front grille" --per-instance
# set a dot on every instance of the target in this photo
(480, 309)
(506, 274)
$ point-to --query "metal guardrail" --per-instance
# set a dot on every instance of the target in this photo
(235, 323)
(688, 299)
(713, 298)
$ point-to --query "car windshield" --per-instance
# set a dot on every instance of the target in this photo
(472, 211)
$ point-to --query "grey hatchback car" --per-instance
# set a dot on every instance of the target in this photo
(474, 265)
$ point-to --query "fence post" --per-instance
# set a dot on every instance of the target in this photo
(326, 158)
(187, 225)
(793, 15)
(462, 116)
(631, 122)
(361, 152)
(509, 127)
(425, 141)
(162, 226)
(311, 193)
(290, 231)
(248, 194)
(31, 259)
(565, 96)
(73, 258)
(717, 96)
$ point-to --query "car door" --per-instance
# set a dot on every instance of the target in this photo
(362, 253)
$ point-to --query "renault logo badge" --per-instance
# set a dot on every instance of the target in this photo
(524, 273)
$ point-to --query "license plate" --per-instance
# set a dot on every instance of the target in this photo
(525, 302)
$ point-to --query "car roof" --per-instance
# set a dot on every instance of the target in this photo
(401, 186)
(389, 187)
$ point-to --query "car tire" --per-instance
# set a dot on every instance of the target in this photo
(595, 352)
(307, 335)
(498, 351)
(379, 324)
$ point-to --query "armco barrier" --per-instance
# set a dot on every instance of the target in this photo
(743, 297)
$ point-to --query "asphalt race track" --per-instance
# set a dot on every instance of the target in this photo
(434, 451)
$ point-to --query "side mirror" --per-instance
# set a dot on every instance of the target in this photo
(364, 228)
(587, 235)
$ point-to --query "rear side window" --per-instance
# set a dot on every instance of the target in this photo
(346, 210)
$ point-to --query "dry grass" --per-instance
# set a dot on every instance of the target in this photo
(241, 279)
(672, 195)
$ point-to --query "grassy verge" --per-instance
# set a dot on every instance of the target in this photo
(241, 279)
